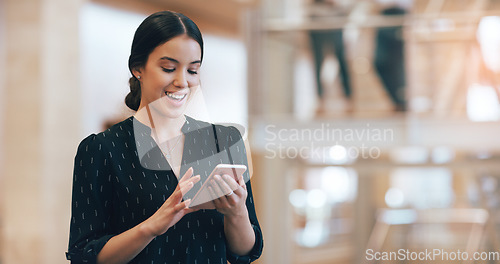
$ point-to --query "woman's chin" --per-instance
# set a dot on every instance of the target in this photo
(173, 111)
(164, 107)
(169, 112)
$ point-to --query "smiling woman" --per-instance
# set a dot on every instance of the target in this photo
(158, 42)
(123, 210)
(171, 72)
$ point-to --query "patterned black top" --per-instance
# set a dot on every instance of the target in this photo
(121, 178)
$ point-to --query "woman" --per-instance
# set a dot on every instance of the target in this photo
(128, 204)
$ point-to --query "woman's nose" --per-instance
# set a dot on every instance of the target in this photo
(181, 80)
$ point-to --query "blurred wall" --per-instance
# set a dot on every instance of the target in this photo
(105, 37)
(41, 126)
(2, 104)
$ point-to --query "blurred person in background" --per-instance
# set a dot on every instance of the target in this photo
(127, 210)
(390, 59)
(330, 41)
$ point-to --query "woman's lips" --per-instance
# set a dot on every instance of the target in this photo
(176, 99)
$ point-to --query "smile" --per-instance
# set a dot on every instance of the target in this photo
(175, 97)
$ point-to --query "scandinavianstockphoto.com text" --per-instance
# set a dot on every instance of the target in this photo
(430, 255)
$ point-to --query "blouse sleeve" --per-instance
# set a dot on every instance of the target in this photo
(91, 202)
(239, 156)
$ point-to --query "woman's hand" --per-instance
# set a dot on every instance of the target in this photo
(230, 200)
(229, 196)
(172, 209)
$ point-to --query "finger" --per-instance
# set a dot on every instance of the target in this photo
(234, 187)
(230, 181)
(187, 175)
(177, 194)
(182, 205)
(241, 181)
(233, 198)
(244, 186)
(211, 192)
(217, 190)
(238, 190)
(185, 188)
(193, 180)
(191, 209)
(214, 197)
(225, 188)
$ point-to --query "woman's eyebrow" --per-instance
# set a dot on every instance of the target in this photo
(176, 61)
(170, 59)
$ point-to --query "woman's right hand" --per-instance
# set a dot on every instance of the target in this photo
(173, 209)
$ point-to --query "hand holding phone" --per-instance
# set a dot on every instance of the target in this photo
(203, 199)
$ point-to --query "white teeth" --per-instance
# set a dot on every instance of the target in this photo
(176, 97)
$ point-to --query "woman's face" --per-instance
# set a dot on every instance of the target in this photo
(170, 76)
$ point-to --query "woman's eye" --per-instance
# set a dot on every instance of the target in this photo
(192, 72)
(168, 70)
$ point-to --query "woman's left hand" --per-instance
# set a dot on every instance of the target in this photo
(230, 196)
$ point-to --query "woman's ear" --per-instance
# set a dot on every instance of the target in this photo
(137, 73)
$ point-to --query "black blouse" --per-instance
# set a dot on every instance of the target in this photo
(121, 178)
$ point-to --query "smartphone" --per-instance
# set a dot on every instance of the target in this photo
(203, 199)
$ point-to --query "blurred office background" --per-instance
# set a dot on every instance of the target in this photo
(372, 124)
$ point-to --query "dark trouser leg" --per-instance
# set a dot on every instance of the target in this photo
(317, 45)
(338, 46)
(390, 65)
(321, 41)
